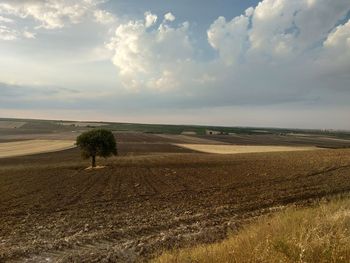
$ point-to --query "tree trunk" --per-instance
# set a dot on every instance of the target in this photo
(93, 161)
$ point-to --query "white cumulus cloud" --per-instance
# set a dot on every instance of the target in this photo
(335, 54)
(283, 28)
(150, 19)
(277, 52)
(276, 28)
(338, 41)
(169, 17)
(229, 38)
(149, 58)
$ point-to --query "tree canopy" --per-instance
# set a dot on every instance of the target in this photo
(97, 142)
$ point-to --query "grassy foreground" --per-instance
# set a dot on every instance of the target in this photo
(317, 234)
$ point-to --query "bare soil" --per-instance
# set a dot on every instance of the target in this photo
(190, 139)
(53, 210)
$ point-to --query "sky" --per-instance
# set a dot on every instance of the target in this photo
(269, 63)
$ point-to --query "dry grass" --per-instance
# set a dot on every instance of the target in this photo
(19, 148)
(318, 234)
(234, 149)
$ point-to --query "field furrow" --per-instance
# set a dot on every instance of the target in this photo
(137, 205)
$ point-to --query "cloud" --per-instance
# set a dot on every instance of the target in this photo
(148, 57)
(28, 34)
(333, 61)
(20, 95)
(104, 17)
(284, 51)
(337, 45)
(6, 20)
(288, 28)
(169, 17)
(278, 52)
(51, 14)
(150, 19)
(7, 33)
(229, 38)
(276, 29)
(14, 91)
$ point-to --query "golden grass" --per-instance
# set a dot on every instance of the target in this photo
(234, 149)
(318, 234)
(10, 149)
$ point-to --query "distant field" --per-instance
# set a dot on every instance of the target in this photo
(18, 148)
(281, 140)
(189, 139)
(232, 149)
(11, 124)
(274, 135)
(82, 124)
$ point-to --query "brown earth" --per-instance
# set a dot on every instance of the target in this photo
(192, 139)
(133, 143)
(138, 137)
(53, 210)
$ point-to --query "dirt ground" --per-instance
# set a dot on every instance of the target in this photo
(53, 210)
(190, 139)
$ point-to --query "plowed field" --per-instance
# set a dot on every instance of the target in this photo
(53, 210)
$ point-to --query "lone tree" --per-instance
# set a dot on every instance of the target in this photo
(97, 142)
